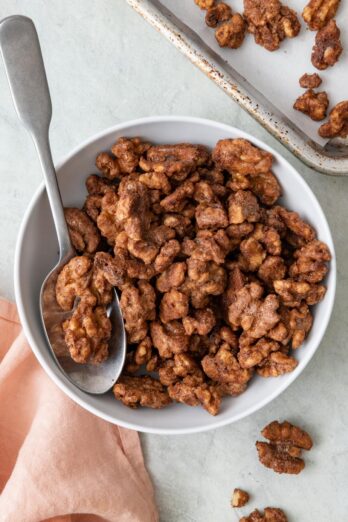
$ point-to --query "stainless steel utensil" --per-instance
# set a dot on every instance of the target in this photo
(27, 78)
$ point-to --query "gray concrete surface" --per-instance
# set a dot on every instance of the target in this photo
(106, 65)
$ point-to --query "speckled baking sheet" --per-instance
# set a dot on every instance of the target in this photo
(263, 83)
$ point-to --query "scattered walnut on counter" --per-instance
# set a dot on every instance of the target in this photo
(283, 451)
(239, 498)
(270, 22)
(231, 33)
(215, 279)
(310, 81)
(338, 122)
(314, 104)
(327, 48)
(317, 13)
(270, 515)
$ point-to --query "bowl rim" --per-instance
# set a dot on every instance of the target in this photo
(330, 299)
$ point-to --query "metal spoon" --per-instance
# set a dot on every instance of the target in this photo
(27, 78)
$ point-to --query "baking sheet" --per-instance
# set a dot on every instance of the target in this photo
(276, 74)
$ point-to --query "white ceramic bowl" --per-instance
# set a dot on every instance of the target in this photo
(36, 254)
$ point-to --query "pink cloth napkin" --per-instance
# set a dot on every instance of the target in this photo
(57, 461)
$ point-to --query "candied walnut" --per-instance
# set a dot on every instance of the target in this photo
(310, 264)
(254, 315)
(174, 305)
(239, 231)
(156, 180)
(87, 333)
(292, 293)
(206, 395)
(132, 210)
(299, 322)
(143, 250)
(112, 268)
(243, 206)
(327, 48)
(266, 187)
(204, 278)
(317, 13)
(231, 33)
(93, 205)
(314, 104)
(286, 432)
(253, 254)
(143, 352)
(108, 166)
(107, 221)
(181, 224)
(205, 4)
(270, 22)
(310, 81)
(160, 234)
(202, 322)
(217, 14)
(141, 391)
(167, 341)
(269, 237)
(338, 122)
(83, 233)
(73, 281)
(209, 397)
(176, 200)
(208, 248)
(239, 498)
(172, 277)
(223, 367)
(166, 255)
(211, 215)
(240, 156)
(138, 306)
(270, 515)
(97, 185)
(294, 223)
(251, 355)
(175, 160)
(277, 363)
(136, 269)
(128, 152)
(272, 268)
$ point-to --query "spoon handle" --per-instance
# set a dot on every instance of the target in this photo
(25, 71)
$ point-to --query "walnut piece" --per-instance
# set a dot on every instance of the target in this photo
(84, 234)
(292, 293)
(310, 264)
(317, 13)
(283, 452)
(270, 515)
(141, 391)
(314, 104)
(310, 81)
(270, 22)
(338, 122)
(239, 155)
(87, 333)
(231, 33)
(277, 363)
(205, 4)
(239, 498)
(217, 14)
(327, 48)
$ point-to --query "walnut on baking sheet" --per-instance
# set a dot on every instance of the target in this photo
(270, 514)
(314, 104)
(338, 122)
(270, 22)
(217, 14)
(283, 451)
(327, 48)
(239, 498)
(231, 33)
(216, 280)
(310, 81)
(317, 13)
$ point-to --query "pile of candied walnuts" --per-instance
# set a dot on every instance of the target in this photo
(216, 279)
(271, 22)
